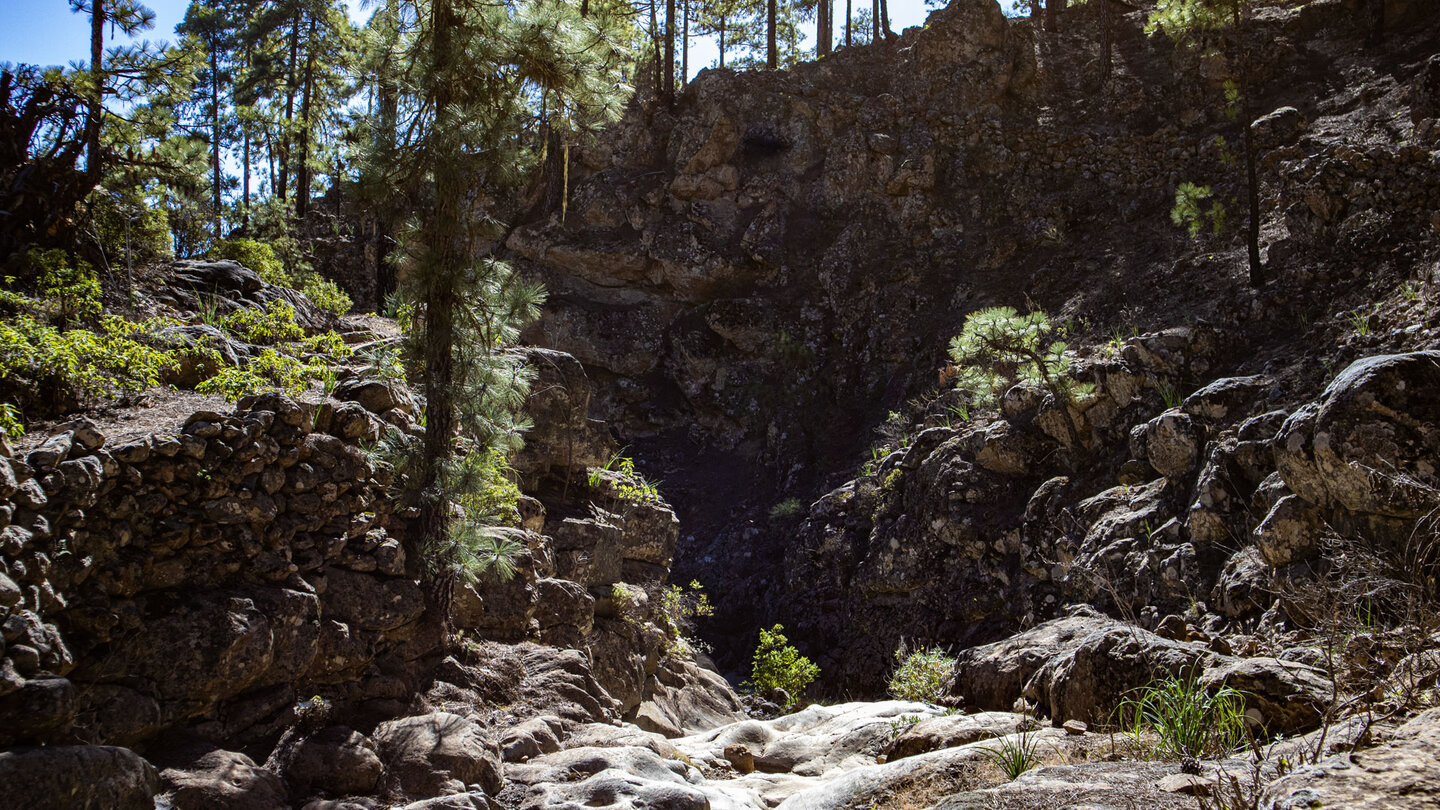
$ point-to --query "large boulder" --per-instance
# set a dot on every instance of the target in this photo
(1290, 698)
(438, 753)
(223, 780)
(1399, 774)
(336, 760)
(607, 777)
(1089, 682)
(1369, 444)
(992, 676)
(76, 777)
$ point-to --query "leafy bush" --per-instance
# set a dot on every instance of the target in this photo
(679, 608)
(1189, 720)
(777, 665)
(256, 255)
(275, 323)
(999, 347)
(54, 368)
(326, 294)
(131, 228)
(921, 674)
(270, 371)
(628, 484)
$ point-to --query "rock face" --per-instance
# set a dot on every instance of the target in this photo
(84, 777)
(1397, 774)
(231, 580)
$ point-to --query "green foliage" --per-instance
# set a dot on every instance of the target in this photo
(326, 294)
(998, 347)
(490, 495)
(267, 326)
(778, 665)
(40, 363)
(921, 674)
(1016, 754)
(626, 483)
(1190, 720)
(11, 423)
(256, 255)
(131, 229)
(679, 607)
(269, 371)
(477, 551)
(66, 288)
(787, 511)
(1191, 213)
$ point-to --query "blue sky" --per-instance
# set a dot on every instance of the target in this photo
(46, 32)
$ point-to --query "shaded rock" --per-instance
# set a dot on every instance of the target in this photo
(335, 760)
(77, 777)
(37, 712)
(1225, 399)
(438, 753)
(1090, 681)
(375, 395)
(991, 677)
(530, 739)
(1172, 443)
(223, 780)
(682, 698)
(1290, 532)
(1291, 698)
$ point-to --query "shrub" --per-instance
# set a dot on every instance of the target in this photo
(921, 674)
(256, 255)
(270, 371)
(787, 511)
(628, 484)
(1189, 720)
(55, 368)
(777, 665)
(1016, 755)
(679, 608)
(326, 294)
(999, 347)
(275, 323)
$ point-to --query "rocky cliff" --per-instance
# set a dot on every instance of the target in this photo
(757, 275)
(237, 592)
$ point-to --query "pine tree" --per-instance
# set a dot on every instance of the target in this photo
(478, 76)
(213, 24)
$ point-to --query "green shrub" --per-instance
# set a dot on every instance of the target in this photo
(787, 511)
(998, 347)
(267, 326)
(777, 665)
(67, 288)
(270, 371)
(131, 228)
(326, 294)
(1190, 720)
(56, 368)
(628, 485)
(256, 255)
(1015, 755)
(485, 488)
(921, 674)
(679, 608)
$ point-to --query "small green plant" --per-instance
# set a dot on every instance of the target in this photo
(1410, 291)
(679, 608)
(326, 294)
(269, 371)
(11, 423)
(1191, 213)
(920, 674)
(254, 254)
(1168, 394)
(627, 485)
(1359, 321)
(778, 665)
(41, 363)
(1015, 755)
(1189, 720)
(902, 724)
(787, 511)
(267, 326)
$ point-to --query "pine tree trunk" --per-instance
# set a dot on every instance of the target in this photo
(670, 50)
(824, 27)
(685, 47)
(849, 22)
(874, 20)
(95, 107)
(722, 42)
(302, 168)
(245, 182)
(885, 20)
(282, 189)
(772, 54)
(215, 140)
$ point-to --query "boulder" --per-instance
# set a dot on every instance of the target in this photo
(438, 753)
(1090, 681)
(682, 698)
(1290, 532)
(375, 395)
(335, 760)
(38, 712)
(223, 780)
(951, 731)
(991, 677)
(607, 777)
(1291, 698)
(1172, 443)
(532, 738)
(1369, 444)
(77, 777)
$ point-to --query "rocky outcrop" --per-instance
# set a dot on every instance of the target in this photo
(1399, 773)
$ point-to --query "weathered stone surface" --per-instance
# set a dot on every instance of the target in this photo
(336, 760)
(530, 739)
(1371, 433)
(223, 780)
(993, 676)
(77, 777)
(625, 777)
(438, 753)
(375, 395)
(682, 698)
(1397, 774)
(1088, 682)
(1291, 698)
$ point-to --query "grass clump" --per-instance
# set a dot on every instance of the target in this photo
(777, 665)
(787, 511)
(920, 674)
(1189, 720)
(1016, 754)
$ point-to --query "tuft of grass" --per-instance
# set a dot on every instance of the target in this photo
(1017, 754)
(1189, 720)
